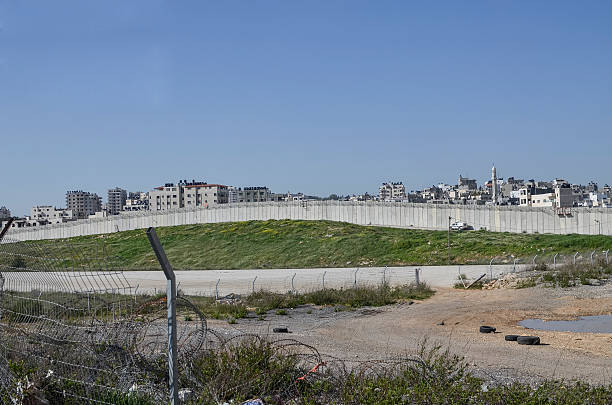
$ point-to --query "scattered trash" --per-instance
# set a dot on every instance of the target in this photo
(229, 299)
(253, 402)
(312, 370)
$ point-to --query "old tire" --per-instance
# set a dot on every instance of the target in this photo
(280, 330)
(528, 340)
(487, 329)
(510, 338)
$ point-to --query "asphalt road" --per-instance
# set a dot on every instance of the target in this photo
(204, 282)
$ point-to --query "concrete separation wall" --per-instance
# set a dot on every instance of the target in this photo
(402, 215)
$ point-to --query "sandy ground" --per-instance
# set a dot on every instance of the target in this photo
(376, 333)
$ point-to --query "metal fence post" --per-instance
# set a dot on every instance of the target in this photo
(416, 276)
(217, 289)
(491, 269)
(514, 266)
(324, 273)
(253, 289)
(292, 287)
(555, 260)
(606, 252)
(171, 299)
(355, 277)
(534, 259)
(575, 254)
(384, 275)
(592, 253)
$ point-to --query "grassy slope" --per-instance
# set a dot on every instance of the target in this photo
(303, 244)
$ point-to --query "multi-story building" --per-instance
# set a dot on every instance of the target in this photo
(167, 197)
(136, 201)
(467, 184)
(249, 194)
(187, 194)
(392, 191)
(83, 204)
(116, 200)
(46, 214)
(201, 194)
(5, 213)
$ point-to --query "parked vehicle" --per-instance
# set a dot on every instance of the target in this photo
(460, 226)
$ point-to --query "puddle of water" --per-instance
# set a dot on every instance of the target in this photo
(592, 324)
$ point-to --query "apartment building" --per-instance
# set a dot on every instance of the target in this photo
(392, 191)
(136, 201)
(82, 203)
(116, 200)
(187, 194)
(200, 194)
(249, 194)
(47, 214)
(167, 197)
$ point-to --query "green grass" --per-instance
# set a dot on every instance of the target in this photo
(305, 244)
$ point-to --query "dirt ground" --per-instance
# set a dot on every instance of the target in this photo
(451, 318)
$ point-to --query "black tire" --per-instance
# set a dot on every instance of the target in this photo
(528, 340)
(280, 330)
(510, 338)
(487, 329)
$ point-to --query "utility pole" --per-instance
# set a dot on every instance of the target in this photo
(449, 224)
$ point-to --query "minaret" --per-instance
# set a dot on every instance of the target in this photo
(494, 185)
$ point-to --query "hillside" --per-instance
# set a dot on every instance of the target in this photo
(303, 244)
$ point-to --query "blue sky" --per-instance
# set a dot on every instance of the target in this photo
(316, 96)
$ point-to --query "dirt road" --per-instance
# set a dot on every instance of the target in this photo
(452, 318)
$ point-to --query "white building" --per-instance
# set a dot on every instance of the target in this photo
(392, 191)
(187, 194)
(46, 214)
(83, 204)
(166, 197)
(137, 201)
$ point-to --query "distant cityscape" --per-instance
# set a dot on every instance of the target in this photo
(557, 194)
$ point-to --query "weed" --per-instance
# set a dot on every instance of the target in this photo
(526, 282)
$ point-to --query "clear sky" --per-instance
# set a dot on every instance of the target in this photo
(314, 96)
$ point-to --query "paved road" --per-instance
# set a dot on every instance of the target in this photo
(203, 282)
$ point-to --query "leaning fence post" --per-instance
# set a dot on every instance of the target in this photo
(606, 252)
(592, 253)
(491, 269)
(324, 273)
(555, 260)
(171, 299)
(253, 289)
(355, 277)
(385, 275)
(416, 276)
(217, 289)
(534, 259)
(292, 287)
(575, 254)
(514, 266)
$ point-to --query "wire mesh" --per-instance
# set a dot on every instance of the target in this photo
(69, 317)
